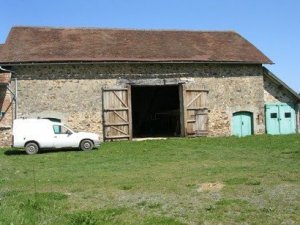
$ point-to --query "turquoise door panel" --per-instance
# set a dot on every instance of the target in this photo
(272, 119)
(242, 124)
(246, 124)
(280, 119)
(287, 119)
(236, 126)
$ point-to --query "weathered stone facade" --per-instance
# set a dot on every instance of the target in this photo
(6, 116)
(76, 102)
(73, 92)
(228, 95)
(274, 93)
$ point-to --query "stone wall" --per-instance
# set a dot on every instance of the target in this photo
(73, 92)
(6, 116)
(134, 71)
(274, 92)
(76, 102)
(228, 95)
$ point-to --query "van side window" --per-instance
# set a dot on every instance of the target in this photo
(57, 129)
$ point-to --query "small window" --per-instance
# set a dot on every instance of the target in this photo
(2, 114)
(273, 115)
(287, 115)
(57, 129)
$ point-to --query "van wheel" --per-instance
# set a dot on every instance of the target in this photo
(31, 148)
(86, 145)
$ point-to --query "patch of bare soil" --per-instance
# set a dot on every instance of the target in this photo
(210, 187)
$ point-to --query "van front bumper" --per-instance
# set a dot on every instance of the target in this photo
(96, 143)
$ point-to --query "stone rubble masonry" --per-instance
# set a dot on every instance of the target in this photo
(73, 92)
(274, 93)
(228, 95)
(6, 110)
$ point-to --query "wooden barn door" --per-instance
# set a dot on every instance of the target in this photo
(116, 113)
(194, 112)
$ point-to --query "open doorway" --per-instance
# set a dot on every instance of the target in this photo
(155, 111)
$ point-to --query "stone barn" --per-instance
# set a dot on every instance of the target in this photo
(125, 84)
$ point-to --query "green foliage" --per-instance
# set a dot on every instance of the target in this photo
(155, 182)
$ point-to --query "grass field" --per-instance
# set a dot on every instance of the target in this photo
(252, 180)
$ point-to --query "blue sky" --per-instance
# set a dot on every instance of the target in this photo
(273, 26)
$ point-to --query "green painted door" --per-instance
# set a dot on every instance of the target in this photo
(272, 119)
(242, 124)
(280, 118)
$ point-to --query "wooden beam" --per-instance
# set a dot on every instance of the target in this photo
(118, 137)
(115, 112)
(116, 124)
(198, 108)
(121, 131)
(197, 96)
(129, 111)
(116, 109)
(198, 90)
(120, 99)
(114, 89)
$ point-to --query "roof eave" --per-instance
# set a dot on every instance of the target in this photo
(130, 61)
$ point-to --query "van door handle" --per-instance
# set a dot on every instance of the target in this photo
(55, 136)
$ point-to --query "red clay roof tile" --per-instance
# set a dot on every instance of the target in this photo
(40, 44)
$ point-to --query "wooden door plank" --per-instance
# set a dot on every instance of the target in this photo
(196, 115)
(197, 96)
(129, 112)
(116, 109)
(117, 129)
(115, 112)
(116, 124)
(120, 99)
(114, 89)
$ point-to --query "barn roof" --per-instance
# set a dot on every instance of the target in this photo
(44, 44)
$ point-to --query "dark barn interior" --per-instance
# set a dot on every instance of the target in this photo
(155, 111)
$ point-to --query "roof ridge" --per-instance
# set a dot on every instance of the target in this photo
(124, 29)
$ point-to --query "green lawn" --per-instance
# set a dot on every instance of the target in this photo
(256, 180)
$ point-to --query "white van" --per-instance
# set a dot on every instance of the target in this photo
(34, 134)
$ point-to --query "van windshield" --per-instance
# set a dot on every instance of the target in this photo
(67, 127)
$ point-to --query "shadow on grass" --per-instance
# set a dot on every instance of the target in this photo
(13, 152)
